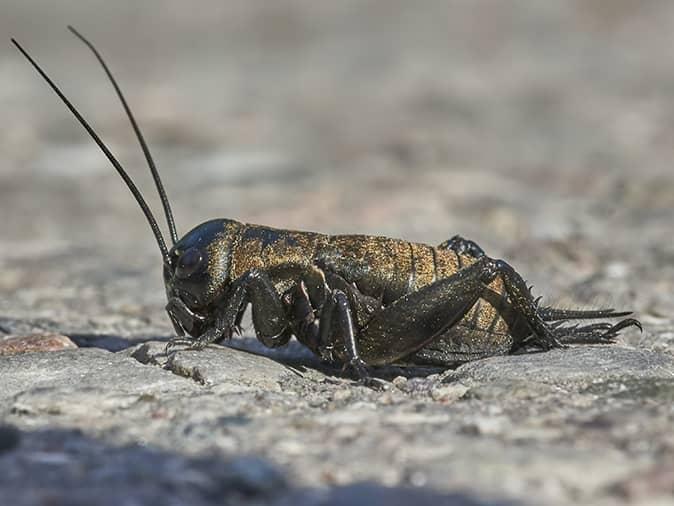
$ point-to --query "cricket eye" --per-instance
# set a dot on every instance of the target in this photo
(189, 262)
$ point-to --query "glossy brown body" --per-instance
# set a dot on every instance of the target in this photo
(380, 269)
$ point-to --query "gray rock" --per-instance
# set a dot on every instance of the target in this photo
(83, 388)
(225, 369)
(581, 365)
(84, 369)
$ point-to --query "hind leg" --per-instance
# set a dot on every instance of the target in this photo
(414, 321)
(417, 319)
(462, 246)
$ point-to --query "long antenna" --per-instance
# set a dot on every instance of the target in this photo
(139, 135)
(134, 190)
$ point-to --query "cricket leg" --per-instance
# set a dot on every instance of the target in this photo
(269, 317)
(338, 333)
(413, 321)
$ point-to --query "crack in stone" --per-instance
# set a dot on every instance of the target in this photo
(192, 373)
(143, 354)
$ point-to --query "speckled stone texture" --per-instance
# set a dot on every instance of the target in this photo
(544, 131)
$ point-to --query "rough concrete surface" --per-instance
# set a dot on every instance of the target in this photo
(542, 130)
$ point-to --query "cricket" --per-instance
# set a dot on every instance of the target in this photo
(358, 301)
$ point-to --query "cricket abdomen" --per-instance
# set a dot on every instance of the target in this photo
(390, 269)
(387, 268)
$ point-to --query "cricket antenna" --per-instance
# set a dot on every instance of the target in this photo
(146, 151)
(129, 183)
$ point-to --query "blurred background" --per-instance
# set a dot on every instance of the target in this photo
(542, 130)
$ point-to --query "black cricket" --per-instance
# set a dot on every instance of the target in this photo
(355, 300)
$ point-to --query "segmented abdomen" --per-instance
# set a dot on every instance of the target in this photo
(389, 269)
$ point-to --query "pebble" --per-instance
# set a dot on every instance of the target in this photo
(35, 343)
(448, 393)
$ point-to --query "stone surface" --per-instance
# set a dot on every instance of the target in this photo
(68, 468)
(579, 365)
(542, 130)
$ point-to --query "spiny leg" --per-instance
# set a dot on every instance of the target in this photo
(554, 335)
(463, 246)
(545, 335)
(520, 298)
